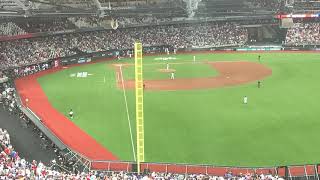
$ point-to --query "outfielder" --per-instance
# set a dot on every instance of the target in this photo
(167, 66)
(259, 84)
(245, 100)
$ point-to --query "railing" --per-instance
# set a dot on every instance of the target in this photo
(290, 172)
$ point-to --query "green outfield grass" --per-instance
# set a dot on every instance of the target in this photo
(280, 125)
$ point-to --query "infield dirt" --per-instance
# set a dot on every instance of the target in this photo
(230, 74)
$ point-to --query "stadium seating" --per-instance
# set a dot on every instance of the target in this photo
(303, 34)
(8, 4)
(28, 51)
(43, 25)
(10, 29)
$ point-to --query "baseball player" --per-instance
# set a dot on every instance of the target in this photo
(27, 101)
(245, 100)
(259, 84)
(167, 66)
(172, 76)
(71, 114)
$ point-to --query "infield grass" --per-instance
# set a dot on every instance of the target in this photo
(279, 126)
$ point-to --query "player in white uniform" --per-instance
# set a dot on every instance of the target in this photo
(71, 114)
(172, 75)
(245, 100)
(167, 66)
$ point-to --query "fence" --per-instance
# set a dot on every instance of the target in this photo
(309, 172)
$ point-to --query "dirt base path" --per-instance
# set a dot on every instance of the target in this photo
(166, 70)
(230, 74)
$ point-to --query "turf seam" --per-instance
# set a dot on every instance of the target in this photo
(127, 109)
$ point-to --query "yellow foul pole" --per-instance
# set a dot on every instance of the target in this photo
(139, 103)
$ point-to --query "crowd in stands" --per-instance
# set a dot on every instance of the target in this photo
(178, 36)
(128, 3)
(45, 25)
(35, 50)
(12, 166)
(85, 22)
(303, 34)
(306, 6)
(29, 51)
(23, 26)
(267, 4)
(93, 22)
(10, 29)
(7, 95)
(124, 22)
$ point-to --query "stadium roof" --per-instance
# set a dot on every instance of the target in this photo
(172, 8)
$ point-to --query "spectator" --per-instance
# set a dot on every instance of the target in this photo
(45, 25)
(303, 34)
(273, 5)
(29, 51)
(10, 29)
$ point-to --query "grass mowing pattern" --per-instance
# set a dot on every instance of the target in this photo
(280, 124)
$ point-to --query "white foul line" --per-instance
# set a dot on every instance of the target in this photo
(118, 77)
(125, 100)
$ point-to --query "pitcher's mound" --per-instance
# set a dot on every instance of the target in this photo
(166, 70)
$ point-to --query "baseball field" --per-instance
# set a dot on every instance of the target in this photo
(199, 116)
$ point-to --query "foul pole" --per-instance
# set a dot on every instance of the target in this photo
(139, 103)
